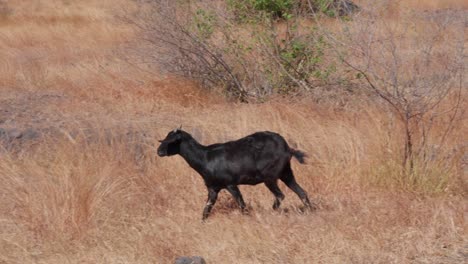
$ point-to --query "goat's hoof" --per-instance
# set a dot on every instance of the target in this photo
(312, 207)
(307, 208)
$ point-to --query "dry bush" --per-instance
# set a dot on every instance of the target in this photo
(247, 52)
(414, 66)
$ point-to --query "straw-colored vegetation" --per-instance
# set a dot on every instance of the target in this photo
(89, 188)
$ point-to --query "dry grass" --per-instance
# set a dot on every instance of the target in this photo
(108, 199)
(91, 189)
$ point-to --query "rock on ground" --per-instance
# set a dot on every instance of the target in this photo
(190, 260)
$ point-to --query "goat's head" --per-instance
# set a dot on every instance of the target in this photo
(171, 144)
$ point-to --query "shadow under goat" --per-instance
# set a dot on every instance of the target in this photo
(263, 157)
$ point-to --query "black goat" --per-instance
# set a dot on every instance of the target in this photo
(260, 157)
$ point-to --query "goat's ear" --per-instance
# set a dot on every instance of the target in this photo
(180, 128)
(160, 141)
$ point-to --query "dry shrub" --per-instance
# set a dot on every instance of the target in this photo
(247, 59)
(414, 66)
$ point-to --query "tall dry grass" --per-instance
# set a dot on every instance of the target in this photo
(92, 190)
(106, 198)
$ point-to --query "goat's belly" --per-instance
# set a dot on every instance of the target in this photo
(251, 179)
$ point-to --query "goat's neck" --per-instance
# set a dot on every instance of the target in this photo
(194, 153)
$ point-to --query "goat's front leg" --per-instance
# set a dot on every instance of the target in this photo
(235, 192)
(212, 196)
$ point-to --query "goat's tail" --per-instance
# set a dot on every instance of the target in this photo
(299, 155)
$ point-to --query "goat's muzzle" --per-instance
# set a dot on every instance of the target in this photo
(162, 152)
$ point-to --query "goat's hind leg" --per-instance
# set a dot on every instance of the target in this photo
(212, 196)
(288, 178)
(235, 192)
(279, 196)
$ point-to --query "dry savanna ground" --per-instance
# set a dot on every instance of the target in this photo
(80, 181)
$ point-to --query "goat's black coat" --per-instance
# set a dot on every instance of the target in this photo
(263, 157)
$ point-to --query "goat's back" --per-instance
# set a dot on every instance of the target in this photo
(257, 145)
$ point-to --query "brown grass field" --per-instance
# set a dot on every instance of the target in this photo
(89, 187)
